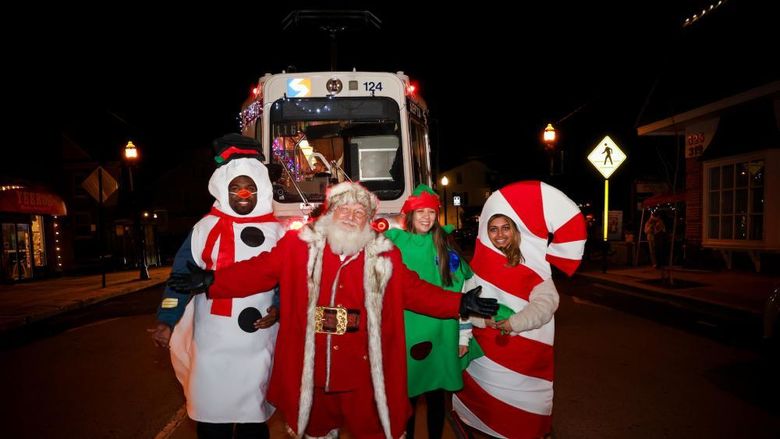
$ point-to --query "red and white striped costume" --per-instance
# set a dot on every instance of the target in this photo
(509, 392)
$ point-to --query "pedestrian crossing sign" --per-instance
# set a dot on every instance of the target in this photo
(606, 156)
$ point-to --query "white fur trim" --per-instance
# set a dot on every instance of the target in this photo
(316, 242)
(348, 193)
(376, 275)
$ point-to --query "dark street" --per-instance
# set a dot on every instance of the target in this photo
(619, 374)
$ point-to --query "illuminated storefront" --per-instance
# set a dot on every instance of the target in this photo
(29, 233)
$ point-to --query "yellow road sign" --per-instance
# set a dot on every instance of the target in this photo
(606, 156)
(91, 184)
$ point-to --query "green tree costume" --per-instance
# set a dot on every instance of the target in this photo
(431, 344)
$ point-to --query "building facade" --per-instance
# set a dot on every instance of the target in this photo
(732, 172)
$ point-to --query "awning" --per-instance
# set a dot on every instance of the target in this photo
(659, 199)
(32, 201)
(675, 125)
(749, 127)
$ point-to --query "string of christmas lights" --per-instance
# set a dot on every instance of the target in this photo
(57, 242)
(287, 161)
(250, 114)
(695, 17)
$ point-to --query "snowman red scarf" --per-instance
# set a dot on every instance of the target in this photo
(226, 256)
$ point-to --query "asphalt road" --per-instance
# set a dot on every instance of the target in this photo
(643, 370)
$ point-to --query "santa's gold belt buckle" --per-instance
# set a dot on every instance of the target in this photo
(323, 320)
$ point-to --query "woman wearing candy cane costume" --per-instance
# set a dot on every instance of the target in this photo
(509, 392)
(222, 349)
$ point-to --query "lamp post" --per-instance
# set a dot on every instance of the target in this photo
(131, 158)
(444, 182)
(550, 138)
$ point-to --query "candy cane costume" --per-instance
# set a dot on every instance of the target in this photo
(221, 360)
(509, 391)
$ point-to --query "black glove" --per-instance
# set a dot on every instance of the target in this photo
(196, 281)
(471, 303)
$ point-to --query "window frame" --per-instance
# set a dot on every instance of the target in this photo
(729, 215)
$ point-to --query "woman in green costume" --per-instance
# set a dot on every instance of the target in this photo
(433, 346)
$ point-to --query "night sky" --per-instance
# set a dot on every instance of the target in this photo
(173, 80)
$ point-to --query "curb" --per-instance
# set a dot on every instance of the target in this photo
(679, 297)
(18, 322)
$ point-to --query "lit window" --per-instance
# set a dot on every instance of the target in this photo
(734, 200)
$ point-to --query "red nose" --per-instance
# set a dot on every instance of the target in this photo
(244, 193)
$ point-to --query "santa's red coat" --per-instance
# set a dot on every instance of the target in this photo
(289, 265)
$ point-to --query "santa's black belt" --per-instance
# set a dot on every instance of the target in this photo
(336, 320)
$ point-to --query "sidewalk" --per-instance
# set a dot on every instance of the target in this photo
(743, 291)
(26, 303)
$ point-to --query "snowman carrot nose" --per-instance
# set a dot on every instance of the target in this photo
(243, 193)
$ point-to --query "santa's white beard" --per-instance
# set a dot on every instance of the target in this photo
(345, 241)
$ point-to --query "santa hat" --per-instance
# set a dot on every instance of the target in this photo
(351, 193)
(233, 146)
(422, 197)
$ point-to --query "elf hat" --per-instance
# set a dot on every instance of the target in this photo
(422, 197)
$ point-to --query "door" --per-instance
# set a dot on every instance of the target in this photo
(17, 257)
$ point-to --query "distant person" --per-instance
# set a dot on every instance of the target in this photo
(340, 358)
(656, 233)
(222, 349)
(433, 346)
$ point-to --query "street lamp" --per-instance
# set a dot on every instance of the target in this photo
(444, 182)
(550, 137)
(131, 158)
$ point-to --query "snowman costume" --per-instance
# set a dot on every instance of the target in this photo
(221, 360)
